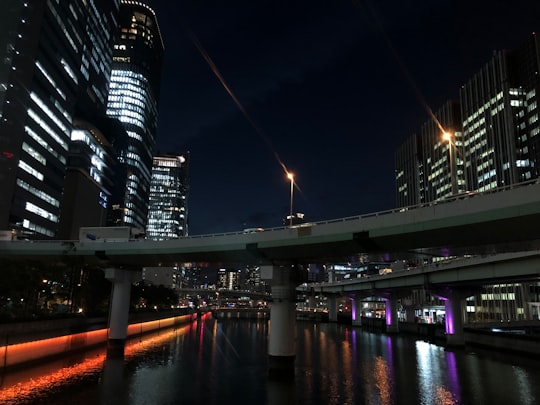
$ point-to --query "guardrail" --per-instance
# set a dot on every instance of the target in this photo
(463, 196)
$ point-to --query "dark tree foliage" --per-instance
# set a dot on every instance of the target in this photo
(33, 290)
(147, 296)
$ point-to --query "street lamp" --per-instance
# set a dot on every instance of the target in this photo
(290, 176)
(447, 136)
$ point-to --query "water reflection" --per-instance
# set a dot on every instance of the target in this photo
(30, 384)
(431, 366)
(382, 381)
(222, 362)
(113, 386)
(453, 379)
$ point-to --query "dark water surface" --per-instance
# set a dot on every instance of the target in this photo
(225, 362)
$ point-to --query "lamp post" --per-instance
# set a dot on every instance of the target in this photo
(447, 136)
(290, 176)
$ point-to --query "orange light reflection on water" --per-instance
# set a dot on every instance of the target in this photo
(382, 380)
(34, 386)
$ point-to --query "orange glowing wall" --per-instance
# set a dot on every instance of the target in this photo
(16, 354)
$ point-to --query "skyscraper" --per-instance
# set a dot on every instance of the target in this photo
(54, 69)
(500, 119)
(133, 100)
(167, 208)
(87, 182)
(495, 133)
(428, 167)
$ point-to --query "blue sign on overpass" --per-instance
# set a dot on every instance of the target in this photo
(501, 221)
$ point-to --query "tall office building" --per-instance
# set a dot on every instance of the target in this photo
(133, 100)
(87, 182)
(429, 167)
(409, 167)
(442, 160)
(495, 143)
(54, 69)
(500, 119)
(228, 279)
(167, 207)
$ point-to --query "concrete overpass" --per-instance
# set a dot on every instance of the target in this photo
(499, 221)
(452, 281)
(511, 267)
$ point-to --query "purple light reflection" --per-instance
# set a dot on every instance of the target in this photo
(388, 311)
(453, 376)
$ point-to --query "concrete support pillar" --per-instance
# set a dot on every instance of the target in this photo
(453, 317)
(409, 314)
(357, 308)
(332, 307)
(282, 334)
(356, 313)
(391, 314)
(312, 302)
(119, 308)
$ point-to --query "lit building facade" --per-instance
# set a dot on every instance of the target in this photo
(442, 161)
(429, 167)
(228, 279)
(55, 66)
(409, 172)
(133, 100)
(500, 119)
(167, 204)
(496, 143)
(87, 182)
(495, 134)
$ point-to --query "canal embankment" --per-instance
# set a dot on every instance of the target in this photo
(26, 342)
(520, 337)
(23, 343)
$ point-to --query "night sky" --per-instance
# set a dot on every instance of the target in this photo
(327, 89)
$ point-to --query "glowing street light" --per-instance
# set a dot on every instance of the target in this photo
(290, 176)
(447, 136)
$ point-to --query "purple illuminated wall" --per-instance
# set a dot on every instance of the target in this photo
(388, 312)
(448, 316)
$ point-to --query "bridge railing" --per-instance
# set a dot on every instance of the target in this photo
(462, 196)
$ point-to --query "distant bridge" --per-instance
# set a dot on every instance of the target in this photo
(223, 293)
(468, 273)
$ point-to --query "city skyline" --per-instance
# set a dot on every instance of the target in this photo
(330, 91)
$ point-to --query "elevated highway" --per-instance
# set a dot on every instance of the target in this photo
(463, 272)
(500, 221)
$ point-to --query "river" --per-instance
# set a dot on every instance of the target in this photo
(225, 362)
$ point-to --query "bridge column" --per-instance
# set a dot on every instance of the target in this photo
(312, 302)
(453, 318)
(119, 308)
(410, 314)
(356, 311)
(391, 314)
(282, 334)
(331, 299)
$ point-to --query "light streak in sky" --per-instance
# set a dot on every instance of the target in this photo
(227, 88)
